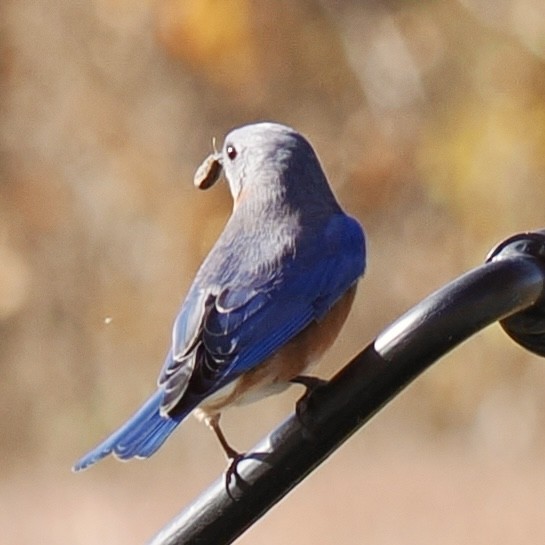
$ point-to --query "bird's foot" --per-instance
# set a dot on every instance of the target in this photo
(302, 408)
(232, 472)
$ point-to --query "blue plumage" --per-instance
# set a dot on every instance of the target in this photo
(286, 257)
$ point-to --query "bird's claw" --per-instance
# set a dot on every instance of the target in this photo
(312, 385)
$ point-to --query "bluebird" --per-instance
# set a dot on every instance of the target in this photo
(269, 299)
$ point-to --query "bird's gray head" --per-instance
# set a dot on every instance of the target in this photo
(264, 160)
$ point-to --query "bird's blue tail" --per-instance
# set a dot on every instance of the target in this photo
(139, 437)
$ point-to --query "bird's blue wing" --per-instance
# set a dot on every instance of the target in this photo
(246, 321)
(313, 283)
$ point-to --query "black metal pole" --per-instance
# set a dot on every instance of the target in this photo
(509, 287)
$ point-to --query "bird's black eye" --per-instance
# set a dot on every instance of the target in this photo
(231, 152)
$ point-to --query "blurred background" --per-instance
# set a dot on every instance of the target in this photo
(429, 119)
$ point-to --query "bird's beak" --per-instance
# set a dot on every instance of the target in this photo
(209, 171)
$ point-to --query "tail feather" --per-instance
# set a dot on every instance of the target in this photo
(139, 437)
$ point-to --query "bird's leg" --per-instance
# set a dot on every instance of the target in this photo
(233, 456)
(213, 422)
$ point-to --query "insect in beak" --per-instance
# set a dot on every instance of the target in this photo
(209, 171)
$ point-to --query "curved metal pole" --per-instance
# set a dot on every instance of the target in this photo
(509, 287)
